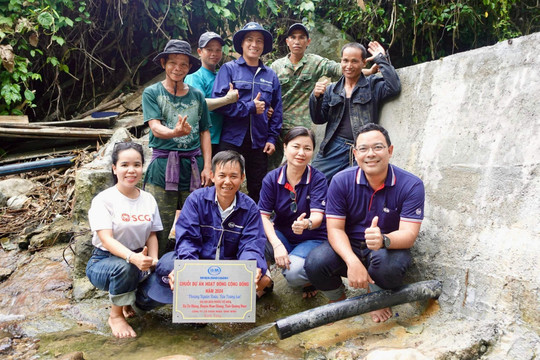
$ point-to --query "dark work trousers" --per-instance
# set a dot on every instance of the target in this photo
(324, 267)
(256, 165)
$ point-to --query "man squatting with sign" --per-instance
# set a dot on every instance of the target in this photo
(373, 216)
(218, 219)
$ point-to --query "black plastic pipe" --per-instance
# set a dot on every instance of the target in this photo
(322, 315)
(36, 165)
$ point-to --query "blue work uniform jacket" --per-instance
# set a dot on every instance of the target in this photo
(200, 229)
(366, 99)
(239, 117)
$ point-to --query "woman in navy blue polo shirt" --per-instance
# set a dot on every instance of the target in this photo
(292, 204)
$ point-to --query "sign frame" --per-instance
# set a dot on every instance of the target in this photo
(214, 291)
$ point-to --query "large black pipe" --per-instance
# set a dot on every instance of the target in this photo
(36, 165)
(322, 315)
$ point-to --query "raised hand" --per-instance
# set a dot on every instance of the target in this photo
(299, 225)
(259, 104)
(320, 87)
(373, 236)
(375, 49)
(182, 127)
(142, 260)
(232, 95)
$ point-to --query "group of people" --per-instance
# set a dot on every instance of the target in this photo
(317, 220)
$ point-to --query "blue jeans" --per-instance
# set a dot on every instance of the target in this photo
(113, 274)
(324, 268)
(295, 275)
(338, 157)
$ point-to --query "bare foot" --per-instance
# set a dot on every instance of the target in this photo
(381, 315)
(120, 327)
(128, 311)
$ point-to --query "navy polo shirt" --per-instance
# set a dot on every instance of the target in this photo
(310, 197)
(350, 198)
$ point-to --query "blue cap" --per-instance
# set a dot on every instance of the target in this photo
(158, 283)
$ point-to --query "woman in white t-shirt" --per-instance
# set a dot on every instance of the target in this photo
(124, 220)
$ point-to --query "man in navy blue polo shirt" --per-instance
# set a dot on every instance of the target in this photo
(373, 216)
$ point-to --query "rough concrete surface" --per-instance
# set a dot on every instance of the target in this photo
(468, 125)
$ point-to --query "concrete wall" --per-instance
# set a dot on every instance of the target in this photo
(469, 126)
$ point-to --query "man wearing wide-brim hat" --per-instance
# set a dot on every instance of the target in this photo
(177, 115)
(246, 126)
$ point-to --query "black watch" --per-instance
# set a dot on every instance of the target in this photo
(385, 242)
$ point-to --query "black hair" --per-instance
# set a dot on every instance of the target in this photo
(121, 146)
(375, 127)
(356, 46)
(224, 157)
(298, 131)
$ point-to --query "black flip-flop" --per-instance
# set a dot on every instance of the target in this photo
(307, 290)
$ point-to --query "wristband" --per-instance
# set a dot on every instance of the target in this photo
(127, 257)
(310, 224)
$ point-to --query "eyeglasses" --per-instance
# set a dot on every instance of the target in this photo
(294, 206)
(365, 149)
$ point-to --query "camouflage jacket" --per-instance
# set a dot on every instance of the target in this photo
(298, 82)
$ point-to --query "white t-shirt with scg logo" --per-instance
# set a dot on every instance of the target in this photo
(131, 220)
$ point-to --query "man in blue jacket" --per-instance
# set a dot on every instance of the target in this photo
(217, 222)
(246, 126)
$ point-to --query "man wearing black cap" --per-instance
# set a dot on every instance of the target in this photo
(246, 126)
(177, 115)
(210, 53)
(298, 73)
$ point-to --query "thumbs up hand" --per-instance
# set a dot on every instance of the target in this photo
(142, 260)
(259, 104)
(232, 94)
(373, 236)
(300, 224)
(320, 87)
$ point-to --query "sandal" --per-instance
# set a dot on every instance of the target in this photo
(309, 291)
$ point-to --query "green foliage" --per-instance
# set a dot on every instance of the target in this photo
(423, 30)
(60, 57)
(30, 29)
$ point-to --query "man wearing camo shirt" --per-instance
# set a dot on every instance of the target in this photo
(297, 73)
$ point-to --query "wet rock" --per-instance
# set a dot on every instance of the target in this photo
(17, 202)
(13, 187)
(37, 286)
(328, 41)
(96, 176)
(77, 355)
(5, 345)
(82, 289)
(59, 231)
(396, 354)
(4, 273)
(83, 249)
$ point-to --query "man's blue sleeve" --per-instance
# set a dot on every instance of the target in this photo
(188, 232)
(240, 109)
